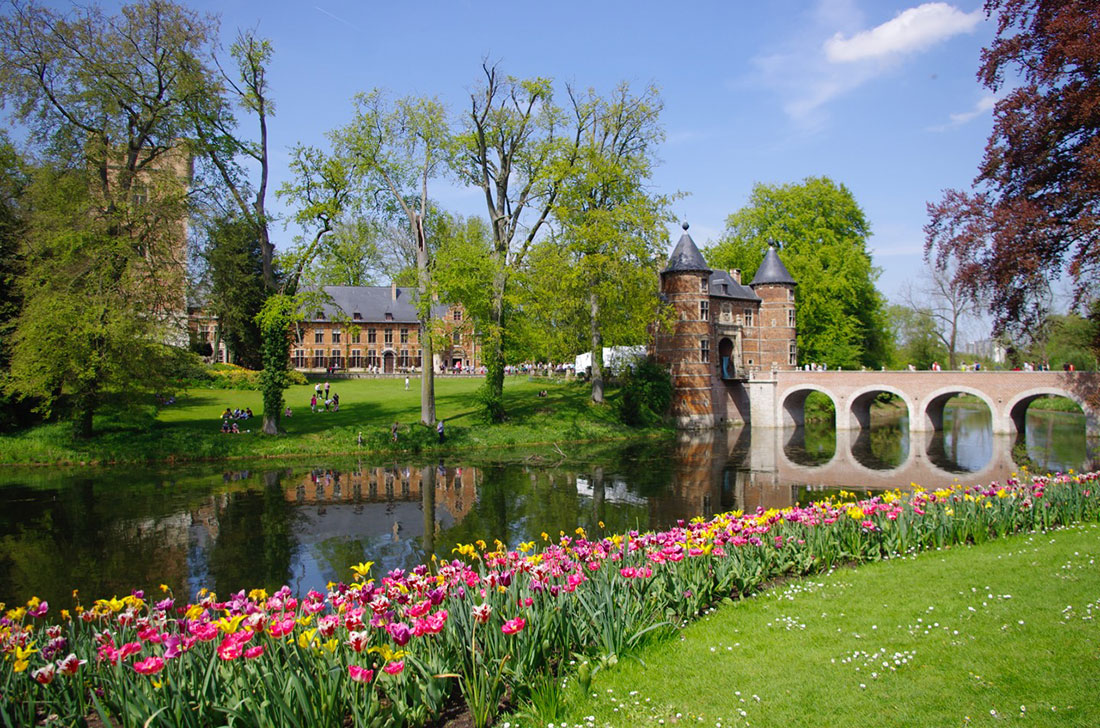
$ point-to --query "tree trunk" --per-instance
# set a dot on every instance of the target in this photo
(597, 348)
(494, 352)
(427, 368)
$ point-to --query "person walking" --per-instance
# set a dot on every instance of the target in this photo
(317, 390)
(313, 404)
(326, 390)
(406, 384)
(439, 429)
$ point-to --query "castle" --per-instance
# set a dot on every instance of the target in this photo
(722, 332)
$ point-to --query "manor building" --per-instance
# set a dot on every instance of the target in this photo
(721, 332)
(375, 329)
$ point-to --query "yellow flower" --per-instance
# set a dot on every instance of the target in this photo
(331, 645)
(16, 614)
(194, 611)
(602, 526)
(387, 654)
(526, 546)
(20, 665)
(65, 615)
(480, 544)
(305, 620)
(855, 512)
(362, 568)
(306, 637)
(580, 531)
(164, 588)
(258, 595)
(229, 626)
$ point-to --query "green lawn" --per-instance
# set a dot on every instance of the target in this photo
(190, 429)
(1007, 633)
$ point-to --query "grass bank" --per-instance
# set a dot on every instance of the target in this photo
(190, 429)
(1006, 633)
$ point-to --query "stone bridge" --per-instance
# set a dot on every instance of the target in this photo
(778, 398)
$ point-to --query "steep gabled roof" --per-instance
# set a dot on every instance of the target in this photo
(372, 303)
(772, 270)
(686, 256)
(722, 285)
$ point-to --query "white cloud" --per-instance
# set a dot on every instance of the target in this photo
(915, 29)
(984, 105)
(831, 54)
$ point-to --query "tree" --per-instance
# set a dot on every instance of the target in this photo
(14, 178)
(611, 226)
(237, 292)
(321, 191)
(945, 303)
(397, 149)
(350, 256)
(1031, 215)
(914, 332)
(822, 236)
(220, 146)
(513, 149)
(106, 99)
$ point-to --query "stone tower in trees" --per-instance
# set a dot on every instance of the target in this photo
(721, 333)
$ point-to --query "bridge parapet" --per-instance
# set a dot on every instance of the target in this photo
(777, 397)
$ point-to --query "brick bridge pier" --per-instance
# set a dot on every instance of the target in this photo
(778, 398)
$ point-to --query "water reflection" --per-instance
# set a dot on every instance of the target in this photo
(105, 532)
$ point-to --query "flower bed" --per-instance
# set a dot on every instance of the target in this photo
(494, 625)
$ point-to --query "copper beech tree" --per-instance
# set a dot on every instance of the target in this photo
(1033, 211)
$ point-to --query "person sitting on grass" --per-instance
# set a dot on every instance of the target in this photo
(335, 402)
(228, 414)
(288, 413)
(236, 430)
(225, 426)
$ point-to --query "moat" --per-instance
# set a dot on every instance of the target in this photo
(105, 532)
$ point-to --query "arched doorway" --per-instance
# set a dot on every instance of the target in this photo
(726, 365)
(388, 359)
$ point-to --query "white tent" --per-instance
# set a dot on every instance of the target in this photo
(614, 358)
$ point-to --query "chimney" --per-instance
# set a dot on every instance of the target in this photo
(735, 274)
(393, 291)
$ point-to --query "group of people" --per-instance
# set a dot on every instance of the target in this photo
(322, 399)
(230, 418)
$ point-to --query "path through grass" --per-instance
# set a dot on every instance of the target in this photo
(1003, 634)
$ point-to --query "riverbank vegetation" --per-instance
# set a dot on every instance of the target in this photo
(190, 427)
(495, 627)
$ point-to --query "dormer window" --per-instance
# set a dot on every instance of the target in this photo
(389, 316)
(357, 316)
(320, 315)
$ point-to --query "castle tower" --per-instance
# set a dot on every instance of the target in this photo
(775, 327)
(687, 348)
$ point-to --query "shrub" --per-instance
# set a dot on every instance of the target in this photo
(645, 394)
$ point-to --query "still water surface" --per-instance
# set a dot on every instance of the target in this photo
(106, 532)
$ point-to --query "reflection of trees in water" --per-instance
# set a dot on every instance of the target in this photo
(811, 445)
(882, 447)
(255, 539)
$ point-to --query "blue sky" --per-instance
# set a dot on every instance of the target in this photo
(878, 95)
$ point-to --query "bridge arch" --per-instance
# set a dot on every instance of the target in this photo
(792, 404)
(932, 416)
(1015, 412)
(860, 401)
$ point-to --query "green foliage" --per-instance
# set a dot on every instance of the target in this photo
(235, 269)
(90, 283)
(645, 394)
(278, 313)
(231, 376)
(915, 338)
(1070, 339)
(821, 233)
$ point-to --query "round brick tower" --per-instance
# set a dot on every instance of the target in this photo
(687, 348)
(776, 325)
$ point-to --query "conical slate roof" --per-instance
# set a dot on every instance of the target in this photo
(686, 256)
(772, 270)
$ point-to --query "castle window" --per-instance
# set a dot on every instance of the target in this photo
(298, 335)
(790, 294)
(404, 335)
(387, 337)
(457, 315)
(702, 285)
(457, 338)
(318, 336)
(336, 336)
(356, 333)
(704, 310)
(298, 360)
(748, 317)
(793, 358)
(704, 351)
(335, 361)
(356, 361)
(790, 317)
(371, 336)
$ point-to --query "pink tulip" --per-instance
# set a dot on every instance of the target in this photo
(513, 625)
(149, 666)
(360, 674)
